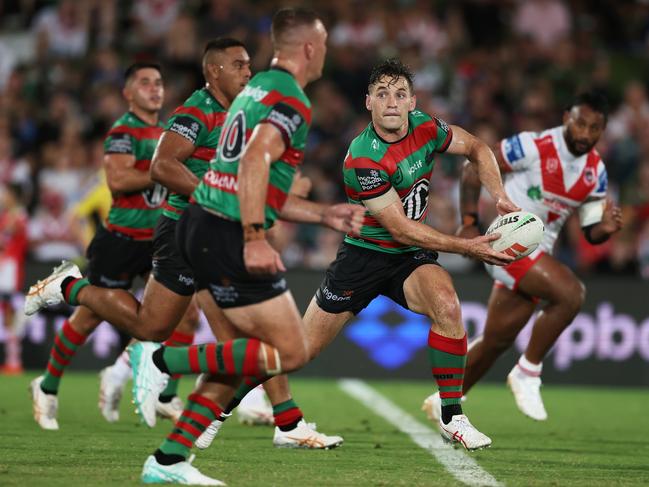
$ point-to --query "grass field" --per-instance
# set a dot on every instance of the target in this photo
(593, 437)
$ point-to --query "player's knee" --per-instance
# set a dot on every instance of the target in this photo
(294, 358)
(574, 296)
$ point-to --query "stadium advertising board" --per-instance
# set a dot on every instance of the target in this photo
(607, 343)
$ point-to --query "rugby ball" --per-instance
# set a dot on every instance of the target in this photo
(520, 232)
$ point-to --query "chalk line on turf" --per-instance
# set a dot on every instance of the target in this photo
(456, 461)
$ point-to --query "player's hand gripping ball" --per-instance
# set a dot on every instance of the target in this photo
(520, 232)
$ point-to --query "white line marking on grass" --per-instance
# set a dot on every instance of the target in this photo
(457, 462)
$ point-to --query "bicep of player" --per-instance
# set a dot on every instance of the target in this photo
(167, 163)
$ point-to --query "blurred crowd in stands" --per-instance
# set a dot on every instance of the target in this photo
(495, 67)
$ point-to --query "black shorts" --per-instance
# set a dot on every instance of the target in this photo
(213, 248)
(358, 275)
(114, 259)
(169, 268)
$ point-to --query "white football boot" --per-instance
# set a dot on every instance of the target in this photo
(460, 430)
(148, 380)
(255, 409)
(527, 393)
(45, 406)
(47, 292)
(171, 410)
(179, 473)
(207, 437)
(110, 394)
(304, 435)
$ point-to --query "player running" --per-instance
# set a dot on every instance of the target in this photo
(551, 174)
(387, 172)
(121, 250)
(223, 238)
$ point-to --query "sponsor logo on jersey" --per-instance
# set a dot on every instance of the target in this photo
(153, 197)
(375, 144)
(602, 183)
(227, 182)
(254, 92)
(513, 149)
(186, 280)
(589, 175)
(286, 119)
(414, 167)
(442, 124)
(534, 193)
(369, 179)
(186, 127)
(119, 144)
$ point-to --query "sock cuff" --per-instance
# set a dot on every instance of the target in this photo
(284, 406)
(206, 403)
(71, 287)
(178, 338)
(72, 335)
(455, 346)
(528, 368)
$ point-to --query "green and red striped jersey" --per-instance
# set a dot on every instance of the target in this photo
(135, 214)
(199, 120)
(274, 97)
(373, 166)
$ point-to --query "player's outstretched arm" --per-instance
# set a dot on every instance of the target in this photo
(389, 213)
(121, 175)
(610, 222)
(167, 165)
(342, 217)
(484, 162)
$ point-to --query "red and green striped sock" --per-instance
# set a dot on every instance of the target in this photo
(65, 346)
(287, 415)
(70, 288)
(239, 357)
(448, 360)
(176, 339)
(198, 414)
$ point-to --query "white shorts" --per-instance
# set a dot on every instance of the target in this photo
(510, 275)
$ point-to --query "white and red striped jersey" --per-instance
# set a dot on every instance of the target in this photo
(544, 177)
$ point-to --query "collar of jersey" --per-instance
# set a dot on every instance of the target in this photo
(209, 93)
(145, 123)
(396, 141)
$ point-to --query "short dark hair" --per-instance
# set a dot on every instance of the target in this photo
(393, 68)
(135, 67)
(222, 43)
(593, 99)
(288, 19)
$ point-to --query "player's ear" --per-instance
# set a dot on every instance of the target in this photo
(308, 51)
(126, 93)
(368, 104)
(566, 116)
(413, 103)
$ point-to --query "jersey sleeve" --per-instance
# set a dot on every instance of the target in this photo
(366, 178)
(443, 135)
(188, 127)
(119, 143)
(592, 210)
(519, 151)
(599, 191)
(286, 119)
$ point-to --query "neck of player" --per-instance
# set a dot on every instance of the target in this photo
(147, 116)
(298, 70)
(218, 94)
(391, 135)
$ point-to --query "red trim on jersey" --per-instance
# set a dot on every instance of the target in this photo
(274, 97)
(508, 167)
(292, 157)
(167, 207)
(139, 133)
(552, 172)
(275, 198)
(203, 153)
(134, 233)
(211, 120)
(519, 268)
(380, 243)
